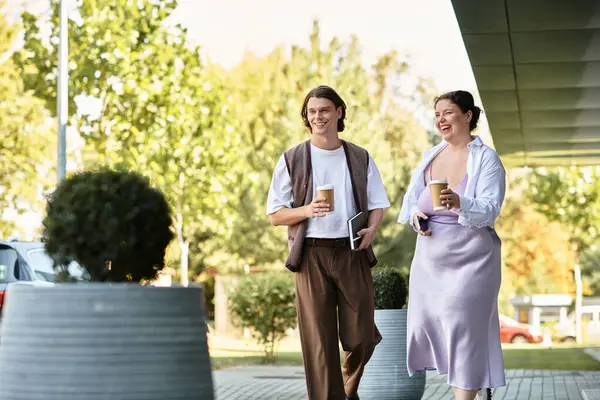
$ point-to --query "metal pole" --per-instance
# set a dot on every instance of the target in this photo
(578, 303)
(62, 92)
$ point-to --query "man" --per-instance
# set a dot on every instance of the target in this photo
(333, 283)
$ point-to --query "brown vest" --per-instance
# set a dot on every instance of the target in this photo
(299, 166)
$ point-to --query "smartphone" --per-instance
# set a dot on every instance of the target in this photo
(423, 223)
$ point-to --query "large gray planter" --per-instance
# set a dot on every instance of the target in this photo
(104, 342)
(386, 376)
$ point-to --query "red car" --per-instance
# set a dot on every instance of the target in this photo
(512, 331)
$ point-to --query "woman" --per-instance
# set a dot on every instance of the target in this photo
(453, 322)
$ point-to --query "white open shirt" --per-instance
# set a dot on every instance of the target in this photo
(484, 194)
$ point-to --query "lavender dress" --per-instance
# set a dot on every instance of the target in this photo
(453, 322)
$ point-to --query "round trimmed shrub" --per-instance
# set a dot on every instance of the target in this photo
(389, 289)
(113, 223)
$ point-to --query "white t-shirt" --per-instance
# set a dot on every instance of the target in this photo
(328, 167)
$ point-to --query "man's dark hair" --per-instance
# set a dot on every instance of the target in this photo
(324, 92)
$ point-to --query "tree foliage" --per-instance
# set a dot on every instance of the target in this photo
(26, 148)
(143, 99)
(265, 303)
(571, 196)
(536, 255)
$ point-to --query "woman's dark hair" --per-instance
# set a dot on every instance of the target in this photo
(464, 100)
(324, 92)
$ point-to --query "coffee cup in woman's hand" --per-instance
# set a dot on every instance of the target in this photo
(449, 199)
(436, 188)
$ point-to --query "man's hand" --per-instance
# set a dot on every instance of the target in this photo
(367, 235)
(317, 208)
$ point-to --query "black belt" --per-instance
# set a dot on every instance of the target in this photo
(340, 242)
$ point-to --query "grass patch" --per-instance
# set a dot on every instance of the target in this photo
(221, 358)
(558, 358)
(226, 353)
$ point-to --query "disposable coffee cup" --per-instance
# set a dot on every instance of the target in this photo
(326, 191)
(435, 188)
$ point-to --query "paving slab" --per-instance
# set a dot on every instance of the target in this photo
(287, 383)
(591, 394)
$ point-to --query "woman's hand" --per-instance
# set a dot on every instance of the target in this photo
(416, 223)
(450, 199)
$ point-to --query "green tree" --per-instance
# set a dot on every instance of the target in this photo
(262, 128)
(27, 145)
(536, 255)
(571, 197)
(160, 109)
(265, 303)
(589, 260)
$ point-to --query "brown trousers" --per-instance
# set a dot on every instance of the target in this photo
(334, 286)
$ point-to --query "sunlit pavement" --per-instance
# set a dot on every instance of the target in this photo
(287, 383)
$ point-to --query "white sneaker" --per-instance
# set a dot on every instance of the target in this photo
(484, 394)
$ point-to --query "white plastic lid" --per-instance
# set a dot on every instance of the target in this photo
(439, 181)
(325, 187)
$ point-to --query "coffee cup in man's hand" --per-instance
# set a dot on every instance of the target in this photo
(326, 191)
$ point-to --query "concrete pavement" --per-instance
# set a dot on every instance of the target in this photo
(287, 383)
